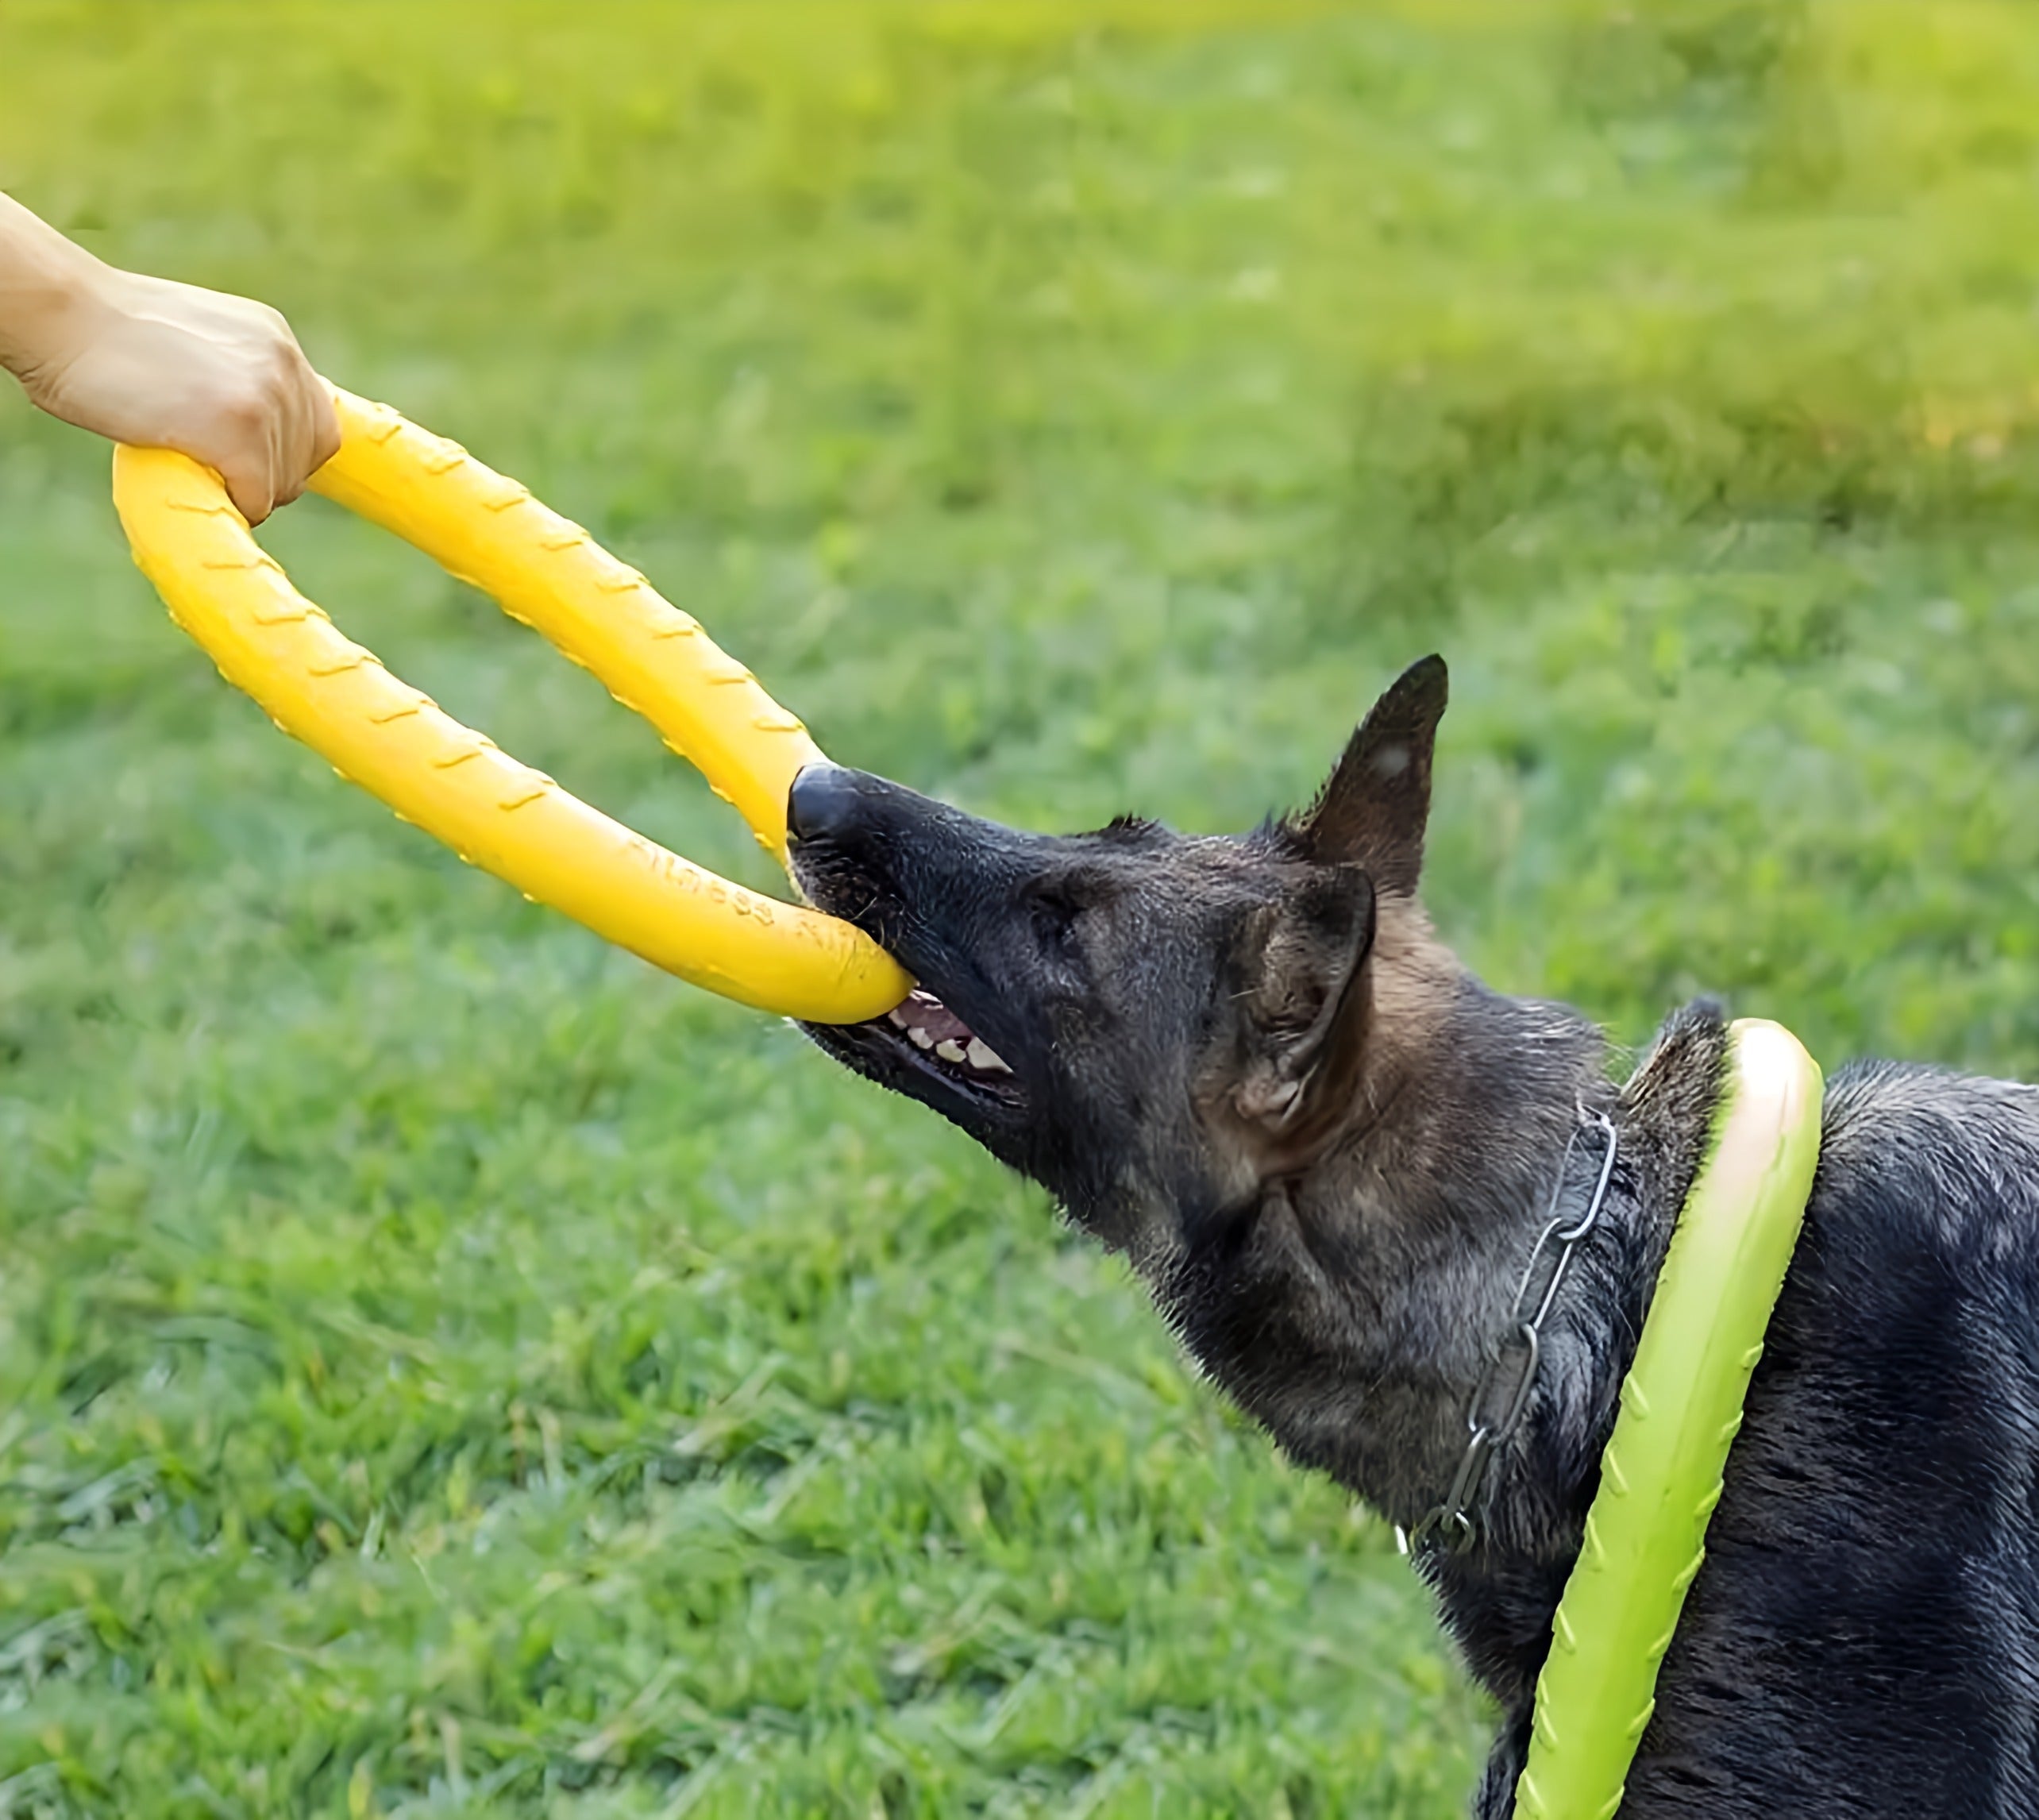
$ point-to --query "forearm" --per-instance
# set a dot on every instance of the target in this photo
(47, 287)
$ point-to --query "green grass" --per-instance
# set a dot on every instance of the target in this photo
(446, 1369)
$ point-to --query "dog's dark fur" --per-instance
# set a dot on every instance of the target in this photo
(1248, 1063)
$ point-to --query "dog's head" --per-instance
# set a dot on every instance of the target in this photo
(1151, 1024)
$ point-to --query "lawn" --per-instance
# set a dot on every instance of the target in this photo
(447, 1368)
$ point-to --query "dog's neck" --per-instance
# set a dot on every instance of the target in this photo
(1499, 1598)
(1354, 1310)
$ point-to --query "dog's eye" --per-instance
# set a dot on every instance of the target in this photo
(1055, 923)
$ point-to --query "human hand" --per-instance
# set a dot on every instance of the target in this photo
(145, 360)
(170, 366)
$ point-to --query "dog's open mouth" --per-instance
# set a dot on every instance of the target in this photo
(922, 1046)
(925, 1037)
(922, 1040)
(935, 1030)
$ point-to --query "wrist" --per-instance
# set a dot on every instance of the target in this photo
(52, 294)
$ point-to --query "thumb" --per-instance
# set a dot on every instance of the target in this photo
(249, 486)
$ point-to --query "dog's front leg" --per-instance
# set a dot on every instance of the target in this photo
(1496, 1799)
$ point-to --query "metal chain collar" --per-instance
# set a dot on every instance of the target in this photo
(1492, 1419)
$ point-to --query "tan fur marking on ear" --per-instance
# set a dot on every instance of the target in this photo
(1414, 975)
(1411, 978)
(1408, 979)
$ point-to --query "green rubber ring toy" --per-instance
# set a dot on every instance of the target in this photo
(1681, 1408)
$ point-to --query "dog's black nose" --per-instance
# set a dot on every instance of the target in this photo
(823, 803)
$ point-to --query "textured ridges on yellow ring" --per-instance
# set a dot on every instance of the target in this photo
(1681, 1407)
(547, 572)
(380, 733)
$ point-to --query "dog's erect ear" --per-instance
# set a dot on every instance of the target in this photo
(1373, 810)
(1297, 967)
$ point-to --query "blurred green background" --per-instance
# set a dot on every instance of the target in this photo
(449, 1369)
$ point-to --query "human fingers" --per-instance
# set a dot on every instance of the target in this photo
(239, 439)
(273, 424)
(248, 482)
(308, 427)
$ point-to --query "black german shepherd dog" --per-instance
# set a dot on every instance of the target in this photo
(1246, 1062)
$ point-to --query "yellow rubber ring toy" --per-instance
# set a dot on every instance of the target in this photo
(379, 732)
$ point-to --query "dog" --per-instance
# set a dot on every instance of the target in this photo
(1248, 1063)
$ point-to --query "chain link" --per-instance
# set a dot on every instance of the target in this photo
(1451, 1524)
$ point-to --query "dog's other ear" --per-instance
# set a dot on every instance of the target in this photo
(1373, 809)
(1297, 968)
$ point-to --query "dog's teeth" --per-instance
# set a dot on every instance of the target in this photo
(919, 1038)
(897, 1016)
(983, 1057)
(949, 1049)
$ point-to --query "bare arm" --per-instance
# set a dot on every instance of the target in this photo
(142, 360)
